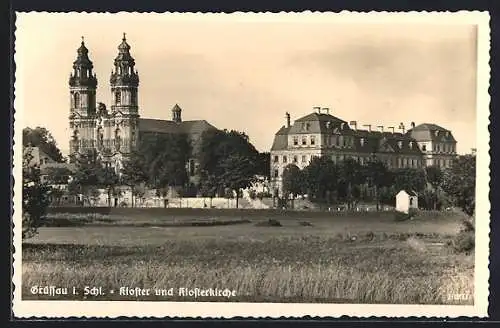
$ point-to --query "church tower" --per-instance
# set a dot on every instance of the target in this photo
(124, 104)
(82, 85)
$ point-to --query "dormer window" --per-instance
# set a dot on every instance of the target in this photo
(295, 141)
(313, 141)
(305, 126)
(362, 141)
(285, 159)
(436, 133)
(400, 144)
(411, 144)
(424, 147)
(304, 141)
(328, 124)
(342, 125)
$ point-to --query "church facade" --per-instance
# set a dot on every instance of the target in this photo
(114, 132)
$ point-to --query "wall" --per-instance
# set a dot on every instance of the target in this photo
(402, 202)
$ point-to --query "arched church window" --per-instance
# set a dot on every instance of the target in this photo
(117, 139)
(118, 97)
(77, 100)
(191, 167)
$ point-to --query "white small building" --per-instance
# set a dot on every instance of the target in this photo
(406, 199)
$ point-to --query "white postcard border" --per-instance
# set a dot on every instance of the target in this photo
(111, 309)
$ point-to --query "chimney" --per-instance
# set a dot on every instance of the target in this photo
(402, 127)
(354, 124)
(317, 109)
(380, 128)
(369, 126)
(391, 128)
(412, 125)
(327, 110)
(287, 116)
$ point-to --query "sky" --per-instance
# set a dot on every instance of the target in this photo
(245, 72)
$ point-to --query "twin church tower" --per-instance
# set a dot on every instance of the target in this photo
(112, 133)
(115, 132)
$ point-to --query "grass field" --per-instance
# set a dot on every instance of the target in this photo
(341, 259)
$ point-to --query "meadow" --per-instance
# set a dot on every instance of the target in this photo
(309, 258)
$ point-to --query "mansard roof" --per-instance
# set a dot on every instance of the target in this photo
(364, 141)
(431, 132)
(281, 139)
(317, 123)
(385, 142)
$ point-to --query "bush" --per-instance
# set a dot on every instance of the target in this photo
(269, 223)
(412, 212)
(401, 216)
(35, 199)
(464, 242)
(467, 226)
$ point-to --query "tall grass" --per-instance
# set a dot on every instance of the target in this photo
(303, 269)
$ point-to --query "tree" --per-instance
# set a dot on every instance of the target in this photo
(133, 173)
(292, 181)
(92, 174)
(239, 173)
(264, 165)
(410, 179)
(108, 179)
(434, 177)
(378, 177)
(165, 157)
(459, 182)
(218, 145)
(42, 138)
(350, 175)
(57, 175)
(209, 186)
(35, 197)
(321, 179)
(228, 160)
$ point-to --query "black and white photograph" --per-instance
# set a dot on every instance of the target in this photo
(255, 165)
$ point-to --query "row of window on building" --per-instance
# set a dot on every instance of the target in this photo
(348, 141)
(394, 162)
(337, 140)
(441, 147)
